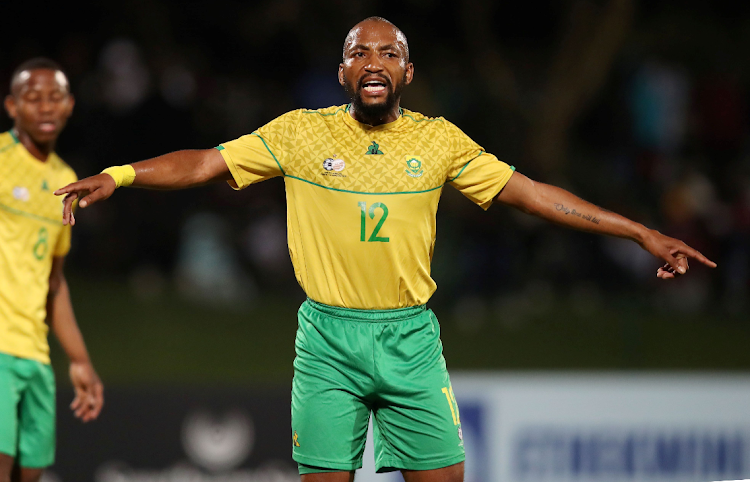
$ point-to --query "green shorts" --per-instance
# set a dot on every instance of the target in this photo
(27, 411)
(351, 363)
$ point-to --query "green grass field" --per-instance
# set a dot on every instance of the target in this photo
(171, 340)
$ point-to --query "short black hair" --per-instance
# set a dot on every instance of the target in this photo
(35, 63)
(375, 18)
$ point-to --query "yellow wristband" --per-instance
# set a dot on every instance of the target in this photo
(123, 175)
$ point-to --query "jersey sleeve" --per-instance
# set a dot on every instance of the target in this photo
(478, 175)
(261, 155)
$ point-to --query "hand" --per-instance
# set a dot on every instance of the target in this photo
(89, 391)
(674, 252)
(90, 190)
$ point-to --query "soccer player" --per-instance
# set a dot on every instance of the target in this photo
(363, 182)
(33, 290)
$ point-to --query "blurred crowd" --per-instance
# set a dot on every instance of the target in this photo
(664, 141)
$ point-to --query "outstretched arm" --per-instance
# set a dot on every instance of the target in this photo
(176, 170)
(89, 392)
(561, 207)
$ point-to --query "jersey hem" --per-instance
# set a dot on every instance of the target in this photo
(393, 464)
(367, 315)
(43, 359)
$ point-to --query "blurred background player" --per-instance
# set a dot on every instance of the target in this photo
(363, 182)
(33, 290)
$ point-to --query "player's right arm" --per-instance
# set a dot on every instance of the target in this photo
(176, 170)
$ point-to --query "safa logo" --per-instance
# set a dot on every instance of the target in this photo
(414, 166)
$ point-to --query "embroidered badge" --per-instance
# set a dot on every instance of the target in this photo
(414, 166)
(373, 149)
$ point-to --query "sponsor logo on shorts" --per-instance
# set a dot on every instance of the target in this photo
(460, 436)
(295, 439)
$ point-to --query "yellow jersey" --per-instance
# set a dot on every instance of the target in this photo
(362, 200)
(31, 234)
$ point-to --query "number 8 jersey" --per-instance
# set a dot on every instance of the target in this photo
(362, 200)
(31, 234)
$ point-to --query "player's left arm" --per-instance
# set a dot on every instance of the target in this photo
(564, 208)
(89, 391)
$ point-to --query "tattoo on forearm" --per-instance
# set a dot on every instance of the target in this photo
(560, 207)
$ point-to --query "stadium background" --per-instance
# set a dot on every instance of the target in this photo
(640, 107)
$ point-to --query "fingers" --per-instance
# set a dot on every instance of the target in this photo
(68, 217)
(695, 254)
(89, 392)
(96, 401)
(89, 191)
(666, 272)
(676, 264)
(88, 402)
(93, 197)
(77, 401)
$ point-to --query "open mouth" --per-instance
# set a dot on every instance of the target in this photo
(374, 86)
(47, 126)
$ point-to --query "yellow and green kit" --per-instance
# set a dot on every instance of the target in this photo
(31, 235)
(361, 207)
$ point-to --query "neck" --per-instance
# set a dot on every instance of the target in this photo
(374, 118)
(40, 150)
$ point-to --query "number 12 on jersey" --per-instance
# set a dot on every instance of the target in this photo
(363, 221)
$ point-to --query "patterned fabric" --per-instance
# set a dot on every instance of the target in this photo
(362, 199)
(31, 234)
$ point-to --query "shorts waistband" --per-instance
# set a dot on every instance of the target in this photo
(372, 316)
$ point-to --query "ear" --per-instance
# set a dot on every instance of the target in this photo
(341, 74)
(409, 73)
(10, 106)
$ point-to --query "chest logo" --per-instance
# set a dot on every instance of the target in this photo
(334, 164)
(21, 193)
(414, 166)
(373, 149)
(333, 167)
(45, 186)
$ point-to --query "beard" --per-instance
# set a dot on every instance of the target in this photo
(374, 112)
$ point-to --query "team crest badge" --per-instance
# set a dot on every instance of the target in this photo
(414, 166)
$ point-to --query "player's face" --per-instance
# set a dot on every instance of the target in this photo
(375, 67)
(40, 104)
